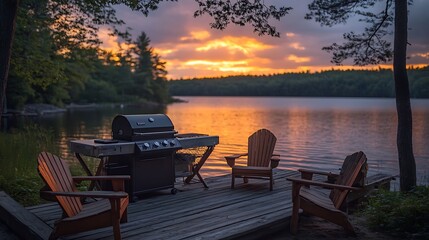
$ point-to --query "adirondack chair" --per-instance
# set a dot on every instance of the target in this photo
(315, 202)
(78, 217)
(260, 158)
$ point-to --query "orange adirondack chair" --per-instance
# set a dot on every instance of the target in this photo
(260, 158)
(315, 202)
(78, 217)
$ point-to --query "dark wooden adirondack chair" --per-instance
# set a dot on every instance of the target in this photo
(78, 217)
(260, 158)
(315, 202)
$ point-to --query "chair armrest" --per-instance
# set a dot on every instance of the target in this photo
(90, 194)
(321, 184)
(236, 155)
(317, 172)
(308, 174)
(275, 159)
(231, 159)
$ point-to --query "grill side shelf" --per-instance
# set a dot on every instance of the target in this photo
(198, 141)
(92, 149)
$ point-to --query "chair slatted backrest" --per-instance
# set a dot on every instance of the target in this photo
(260, 148)
(56, 174)
(353, 166)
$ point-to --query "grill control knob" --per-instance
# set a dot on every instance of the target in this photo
(164, 143)
(146, 145)
(172, 143)
(156, 145)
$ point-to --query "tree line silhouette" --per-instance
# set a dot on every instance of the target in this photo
(332, 83)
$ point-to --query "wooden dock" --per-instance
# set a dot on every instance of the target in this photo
(250, 211)
(197, 213)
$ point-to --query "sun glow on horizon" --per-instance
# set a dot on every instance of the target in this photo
(270, 71)
(222, 66)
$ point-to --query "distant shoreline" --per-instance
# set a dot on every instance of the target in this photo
(41, 109)
(333, 83)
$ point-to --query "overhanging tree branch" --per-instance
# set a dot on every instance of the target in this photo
(242, 12)
(366, 48)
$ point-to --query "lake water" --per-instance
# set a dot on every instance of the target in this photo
(311, 132)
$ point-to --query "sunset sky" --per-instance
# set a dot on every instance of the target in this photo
(192, 49)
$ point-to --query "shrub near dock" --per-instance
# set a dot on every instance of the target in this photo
(402, 214)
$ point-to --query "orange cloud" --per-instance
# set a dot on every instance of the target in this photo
(207, 68)
(297, 59)
(197, 35)
(290, 34)
(423, 55)
(245, 45)
(164, 51)
(226, 56)
(111, 43)
(297, 46)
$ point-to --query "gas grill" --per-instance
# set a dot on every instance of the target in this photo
(151, 167)
(150, 132)
(143, 146)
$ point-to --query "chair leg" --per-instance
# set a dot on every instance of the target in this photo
(116, 217)
(271, 182)
(117, 230)
(295, 208)
(232, 181)
(295, 218)
(245, 180)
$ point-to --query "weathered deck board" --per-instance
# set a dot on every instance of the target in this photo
(20, 221)
(197, 213)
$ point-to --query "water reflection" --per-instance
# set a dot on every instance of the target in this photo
(311, 132)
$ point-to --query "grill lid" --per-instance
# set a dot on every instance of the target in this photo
(142, 127)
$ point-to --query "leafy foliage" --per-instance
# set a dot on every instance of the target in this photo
(242, 12)
(56, 58)
(33, 66)
(334, 83)
(402, 214)
(76, 23)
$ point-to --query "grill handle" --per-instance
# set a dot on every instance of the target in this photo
(154, 133)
